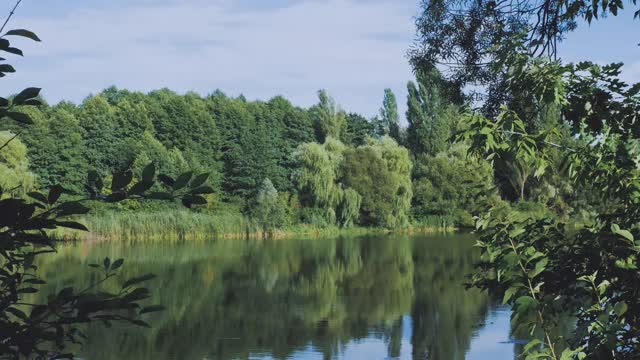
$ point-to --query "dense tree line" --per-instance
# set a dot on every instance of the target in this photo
(326, 165)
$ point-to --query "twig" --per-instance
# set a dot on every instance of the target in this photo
(545, 141)
(10, 140)
(10, 15)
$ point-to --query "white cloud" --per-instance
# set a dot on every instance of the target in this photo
(354, 49)
(631, 73)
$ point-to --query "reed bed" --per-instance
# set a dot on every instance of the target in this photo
(185, 225)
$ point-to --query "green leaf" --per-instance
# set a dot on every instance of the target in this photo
(190, 200)
(115, 197)
(182, 180)
(137, 280)
(28, 93)
(72, 208)
(540, 267)
(54, 194)
(509, 294)
(140, 323)
(620, 308)
(531, 344)
(121, 180)
(6, 68)
(24, 33)
(27, 290)
(166, 179)
(116, 264)
(72, 225)
(38, 196)
(158, 195)
(18, 313)
(32, 102)
(12, 50)
(515, 232)
(624, 233)
(141, 187)
(202, 190)
(106, 263)
(152, 308)
(19, 117)
(199, 180)
(525, 303)
(35, 281)
(148, 173)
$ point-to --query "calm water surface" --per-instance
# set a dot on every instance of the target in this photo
(379, 297)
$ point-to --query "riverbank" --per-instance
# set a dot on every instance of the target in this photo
(185, 225)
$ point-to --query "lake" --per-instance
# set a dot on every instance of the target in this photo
(370, 297)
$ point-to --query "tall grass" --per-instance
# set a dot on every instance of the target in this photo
(183, 224)
(435, 223)
(170, 224)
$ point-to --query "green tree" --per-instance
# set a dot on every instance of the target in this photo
(101, 140)
(15, 176)
(56, 150)
(150, 150)
(358, 130)
(250, 146)
(380, 172)
(317, 176)
(389, 116)
(469, 38)
(185, 122)
(268, 211)
(330, 120)
(428, 130)
(452, 184)
(547, 269)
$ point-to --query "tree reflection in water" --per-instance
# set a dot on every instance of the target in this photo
(235, 299)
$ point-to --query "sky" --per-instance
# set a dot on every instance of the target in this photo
(259, 48)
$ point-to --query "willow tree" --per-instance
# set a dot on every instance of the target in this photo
(15, 176)
(381, 173)
(320, 169)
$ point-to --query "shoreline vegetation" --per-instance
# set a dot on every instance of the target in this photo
(184, 225)
(263, 167)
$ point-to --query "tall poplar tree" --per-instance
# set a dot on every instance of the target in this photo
(389, 115)
(428, 129)
(330, 120)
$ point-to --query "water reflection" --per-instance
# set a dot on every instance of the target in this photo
(380, 297)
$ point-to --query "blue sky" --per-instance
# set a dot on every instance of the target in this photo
(260, 48)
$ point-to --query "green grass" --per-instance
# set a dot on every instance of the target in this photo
(161, 225)
(177, 224)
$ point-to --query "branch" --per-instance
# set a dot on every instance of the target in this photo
(10, 140)
(544, 141)
(6, 21)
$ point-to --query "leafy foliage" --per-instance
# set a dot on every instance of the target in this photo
(453, 184)
(389, 118)
(268, 210)
(469, 39)
(544, 268)
(429, 127)
(380, 172)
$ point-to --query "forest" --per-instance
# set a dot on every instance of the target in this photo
(271, 165)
